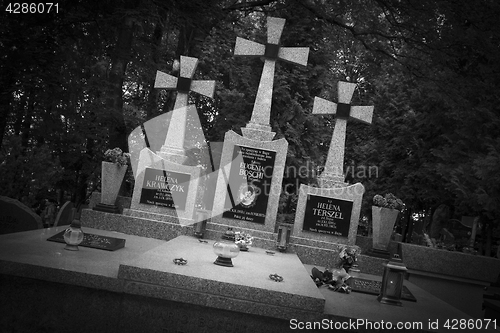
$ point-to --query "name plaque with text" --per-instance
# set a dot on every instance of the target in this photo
(165, 188)
(249, 184)
(327, 215)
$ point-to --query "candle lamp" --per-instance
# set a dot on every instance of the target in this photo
(283, 239)
(73, 236)
(392, 282)
(226, 249)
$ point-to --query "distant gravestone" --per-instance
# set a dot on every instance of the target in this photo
(65, 214)
(330, 212)
(249, 182)
(16, 217)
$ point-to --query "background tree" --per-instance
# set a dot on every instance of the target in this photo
(75, 83)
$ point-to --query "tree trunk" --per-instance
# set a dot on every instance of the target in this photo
(155, 51)
(114, 103)
(26, 125)
(5, 108)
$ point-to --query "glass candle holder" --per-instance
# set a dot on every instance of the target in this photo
(73, 236)
(226, 249)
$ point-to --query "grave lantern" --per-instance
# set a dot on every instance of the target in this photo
(226, 249)
(392, 282)
(73, 236)
(200, 227)
(283, 239)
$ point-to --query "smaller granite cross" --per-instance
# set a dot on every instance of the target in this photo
(174, 142)
(272, 51)
(333, 174)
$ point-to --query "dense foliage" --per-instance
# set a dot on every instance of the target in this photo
(75, 83)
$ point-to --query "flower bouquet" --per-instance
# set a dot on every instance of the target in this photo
(116, 155)
(334, 279)
(113, 170)
(348, 256)
(243, 240)
(389, 201)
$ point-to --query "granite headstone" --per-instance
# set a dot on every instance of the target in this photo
(249, 184)
(330, 212)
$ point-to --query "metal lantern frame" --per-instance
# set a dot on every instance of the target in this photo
(392, 282)
(201, 227)
(283, 239)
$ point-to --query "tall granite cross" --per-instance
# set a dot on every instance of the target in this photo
(173, 147)
(333, 174)
(259, 126)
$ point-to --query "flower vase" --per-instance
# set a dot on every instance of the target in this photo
(383, 220)
(112, 175)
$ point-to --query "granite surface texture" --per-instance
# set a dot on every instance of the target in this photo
(421, 259)
(309, 251)
(121, 202)
(123, 291)
(131, 225)
(200, 281)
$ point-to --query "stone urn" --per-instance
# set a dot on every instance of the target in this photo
(112, 175)
(383, 220)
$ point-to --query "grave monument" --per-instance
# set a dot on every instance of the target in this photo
(329, 214)
(247, 193)
(165, 186)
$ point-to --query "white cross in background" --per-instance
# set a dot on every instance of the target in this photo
(271, 52)
(174, 142)
(334, 167)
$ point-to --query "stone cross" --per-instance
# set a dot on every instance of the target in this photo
(174, 142)
(333, 174)
(259, 125)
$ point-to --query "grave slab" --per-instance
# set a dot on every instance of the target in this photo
(418, 315)
(246, 287)
(42, 285)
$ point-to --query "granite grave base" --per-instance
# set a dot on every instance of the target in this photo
(30, 305)
(139, 289)
(309, 251)
(246, 287)
(139, 226)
